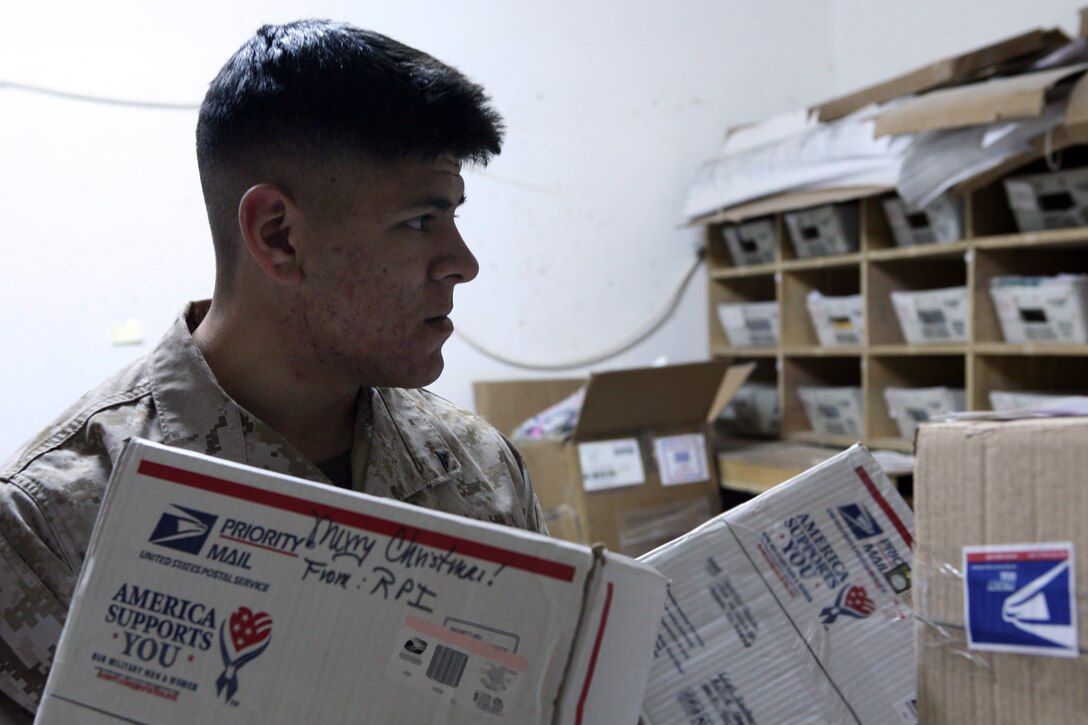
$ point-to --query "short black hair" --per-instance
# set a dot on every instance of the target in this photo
(319, 89)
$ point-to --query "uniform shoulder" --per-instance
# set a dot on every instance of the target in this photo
(125, 387)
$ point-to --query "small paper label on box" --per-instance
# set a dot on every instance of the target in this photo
(1021, 598)
(610, 464)
(681, 459)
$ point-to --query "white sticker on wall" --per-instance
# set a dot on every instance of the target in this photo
(681, 459)
(610, 464)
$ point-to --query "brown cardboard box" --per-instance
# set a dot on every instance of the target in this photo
(996, 483)
(1004, 56)
(591, 487)
(1003, 99)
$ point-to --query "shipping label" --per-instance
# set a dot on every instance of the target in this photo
(611, 464)
(1021, 598)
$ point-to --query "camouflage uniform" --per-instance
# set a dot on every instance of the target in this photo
(409, 445)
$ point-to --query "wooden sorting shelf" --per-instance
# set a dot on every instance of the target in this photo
(982, 363)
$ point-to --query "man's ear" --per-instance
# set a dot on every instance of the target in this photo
(265, 216)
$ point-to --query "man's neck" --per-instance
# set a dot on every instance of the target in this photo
(253, 366)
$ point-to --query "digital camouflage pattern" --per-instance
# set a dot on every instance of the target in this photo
(409, 444)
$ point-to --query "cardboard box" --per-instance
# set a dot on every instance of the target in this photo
(999, 99)
(1042, 309)
(1050, 200)
(837, 320)
(936, 315)
(1010, 486)
(1006, 56)
(794, 607)
(941, 221)
(750, 242)
(910, 406)
(216, 592)
(823, 230)
(639, 470)
(833, 410)
(755, 410)
(1003, 400)
(749, 324)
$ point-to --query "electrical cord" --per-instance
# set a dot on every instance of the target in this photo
(54, 93)
(652, 323)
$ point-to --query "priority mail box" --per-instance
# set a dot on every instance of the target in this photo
(1005, 400)
(1000, 570)
(639, 470)
(1050, 200)
(755, 410)
(749, 324)
(910, 406)
(833, 410)
(750, 242)
(822, 230)
(935, 315)
(216, 592)
(791, 608)
(837, 320)
(939, 221)
(1042, 309)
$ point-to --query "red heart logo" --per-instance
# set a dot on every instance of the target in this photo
(248, 629)
(857, 600)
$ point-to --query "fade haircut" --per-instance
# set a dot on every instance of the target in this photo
(313, 92)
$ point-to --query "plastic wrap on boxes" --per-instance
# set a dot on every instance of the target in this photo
(1042, 309)
(910, 406)
(999, 599)
(792, 608)
(1051, 200)
(824, 230)
(932, 316)
(750, 242)
(749, 324)
(833, 410)
(940, 221)
(838, 320)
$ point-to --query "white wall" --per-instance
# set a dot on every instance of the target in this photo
(610, 106)
(872, 41)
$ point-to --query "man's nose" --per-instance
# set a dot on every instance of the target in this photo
(456, 263)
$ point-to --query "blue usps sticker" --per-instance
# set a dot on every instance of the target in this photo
(1021, 598)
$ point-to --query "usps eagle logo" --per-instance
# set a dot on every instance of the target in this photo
(853, 601)
(242, 638)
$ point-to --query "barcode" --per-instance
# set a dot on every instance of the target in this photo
(447, 666)
(846, 339)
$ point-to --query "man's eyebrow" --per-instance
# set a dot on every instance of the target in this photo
(440, 203)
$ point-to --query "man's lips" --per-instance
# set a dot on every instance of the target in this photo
(441, 322)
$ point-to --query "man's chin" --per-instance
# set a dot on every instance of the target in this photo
(418, 376)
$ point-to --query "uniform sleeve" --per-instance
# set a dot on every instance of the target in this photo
(534, 516)
(31, 613)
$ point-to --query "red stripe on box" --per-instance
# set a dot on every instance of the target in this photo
(593, 656)
(364, 522)
(1010, 555)
(885, 506)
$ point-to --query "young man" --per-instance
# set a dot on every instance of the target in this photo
(330, 161)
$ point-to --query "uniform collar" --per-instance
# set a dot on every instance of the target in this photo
(406, 451)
